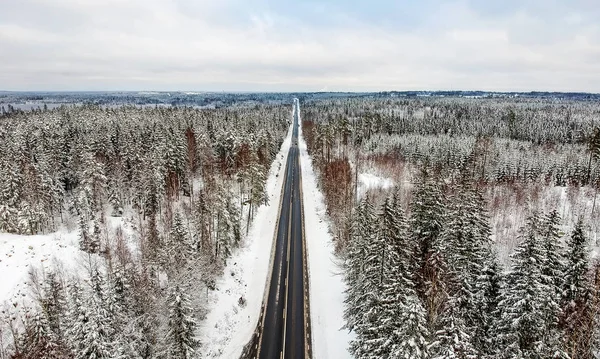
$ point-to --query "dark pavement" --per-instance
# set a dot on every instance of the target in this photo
(285, 318)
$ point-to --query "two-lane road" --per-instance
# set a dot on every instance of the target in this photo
(285, 328)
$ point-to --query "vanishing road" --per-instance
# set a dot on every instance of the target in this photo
(285, 328)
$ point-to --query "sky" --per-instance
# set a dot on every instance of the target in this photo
(325, 45)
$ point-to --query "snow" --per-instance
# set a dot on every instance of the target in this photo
(228, 327)
(326, 285)
(58, 251)
(19, 254)
(368, 181)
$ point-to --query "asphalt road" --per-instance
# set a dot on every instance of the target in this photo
(285, 318)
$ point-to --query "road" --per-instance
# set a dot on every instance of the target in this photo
(285, 328)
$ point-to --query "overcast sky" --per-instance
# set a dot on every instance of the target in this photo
(270, 45)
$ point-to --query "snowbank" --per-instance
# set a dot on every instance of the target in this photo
(228, 325)
(326, 285)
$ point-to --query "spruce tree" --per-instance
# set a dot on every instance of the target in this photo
(576, 284)
(465, 241)
(528, 314)
(553, 266)
(579, 299)
(363, 230)
(428, 215)
(486, 297)
(181, 339)
(452, 340)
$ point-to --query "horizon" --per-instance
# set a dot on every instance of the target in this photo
(200, 92)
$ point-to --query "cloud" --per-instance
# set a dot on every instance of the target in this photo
(265, 45)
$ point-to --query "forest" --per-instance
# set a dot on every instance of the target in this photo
(158, 199)
(486, 245)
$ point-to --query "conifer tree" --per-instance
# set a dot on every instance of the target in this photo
(553, 266)
(576, 284)
(529, 315)
(452, 340)
(486, 298)
(181, 339)
(40, 342)
(362, 233)
(179, 247)
(428, 211)
(465, 241)
(89, 328)
(579, 298)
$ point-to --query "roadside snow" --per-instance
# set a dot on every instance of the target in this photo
(326, 285)
(229, 326)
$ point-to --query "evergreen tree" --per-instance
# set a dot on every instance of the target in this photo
(38, 341)
(528, 314)
(579, 299)
(453, 340)
(179, 248)
(53, 303)
(180, 337)
(363, 231)
(486, 298)
(465, 242)
(412, 332)
(576, 285)
(553, 266)
(89, 328)
(428, 211)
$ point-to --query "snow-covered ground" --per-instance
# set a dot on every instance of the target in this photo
(326, 284)
(58, 251)
(19, 254)
(228, 325)
(367, 181)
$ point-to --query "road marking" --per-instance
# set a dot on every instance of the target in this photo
(287, 274)
(273, 250)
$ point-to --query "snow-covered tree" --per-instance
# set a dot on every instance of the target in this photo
(529, 315)
(363, 232)
(180, 339)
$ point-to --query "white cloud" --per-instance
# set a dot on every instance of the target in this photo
(236, 45)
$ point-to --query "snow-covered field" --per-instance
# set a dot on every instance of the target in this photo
(228, 325)
(20, 254)
(58, 251)
(326, 285)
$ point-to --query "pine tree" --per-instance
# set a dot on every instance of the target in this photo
(89, 328)
(179, 247)
(382, 282)
(180, 337)
(53, 303)
(38, 341)
(413, 332)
